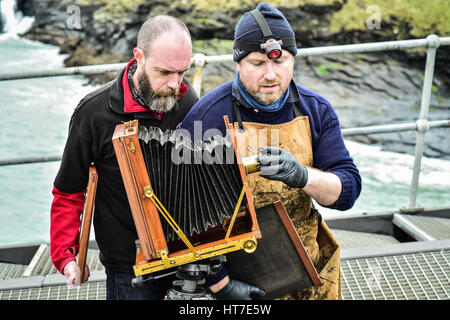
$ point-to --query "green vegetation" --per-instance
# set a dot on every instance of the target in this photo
(212, 46)
(212, 5)
(418, 18)
(113, 9)
(324, 69)
(434, 89)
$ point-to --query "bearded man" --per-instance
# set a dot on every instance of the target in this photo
(297, 137)
(152, 89)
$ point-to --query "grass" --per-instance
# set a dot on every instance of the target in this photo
(213, 46)
(212, 5)
(324, 69)
(113, 9)
(418, 18)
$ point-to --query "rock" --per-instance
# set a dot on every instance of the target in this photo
(365, 89)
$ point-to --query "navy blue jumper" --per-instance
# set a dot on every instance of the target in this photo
(329, 151)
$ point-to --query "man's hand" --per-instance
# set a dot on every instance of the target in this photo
(72, 273)
(281, 165)
(237, 290)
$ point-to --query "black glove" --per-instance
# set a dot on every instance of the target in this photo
(237, 290)
(281, 165)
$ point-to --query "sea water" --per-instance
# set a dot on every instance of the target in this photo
(34, 118)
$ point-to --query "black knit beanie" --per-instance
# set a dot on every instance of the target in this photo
(247, 29)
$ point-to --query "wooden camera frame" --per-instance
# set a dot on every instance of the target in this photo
(236, 233)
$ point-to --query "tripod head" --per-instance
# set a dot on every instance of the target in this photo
(190, 276)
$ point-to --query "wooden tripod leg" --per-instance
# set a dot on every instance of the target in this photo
(87, 218)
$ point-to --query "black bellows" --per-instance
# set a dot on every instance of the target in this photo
(197, 182)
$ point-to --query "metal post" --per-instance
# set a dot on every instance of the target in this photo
(422, 122)
(199, 61)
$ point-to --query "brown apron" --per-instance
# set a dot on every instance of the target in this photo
(295, 137)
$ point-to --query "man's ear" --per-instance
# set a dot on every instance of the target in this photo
(238, 67)
(139, 55)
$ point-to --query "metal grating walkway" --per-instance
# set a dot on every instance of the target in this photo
(373, 267)
(87, 291)
(41, 281)
(423, 228)
(423, 275)
(414, 276)
(351, 239)
(42, 264)
(11, 270)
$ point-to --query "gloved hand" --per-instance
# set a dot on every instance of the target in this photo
(281, 165)
(238, 290)
(72, 273)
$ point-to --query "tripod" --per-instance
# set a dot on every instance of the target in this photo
(190, 279)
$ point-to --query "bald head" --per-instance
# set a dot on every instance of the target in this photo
(154, 27)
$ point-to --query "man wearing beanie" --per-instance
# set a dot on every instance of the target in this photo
(297, 137)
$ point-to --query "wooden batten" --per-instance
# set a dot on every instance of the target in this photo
(87, 219)
(290, 228)
(248, 195)
(135, 178)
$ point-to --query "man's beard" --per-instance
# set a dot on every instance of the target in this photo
(159, 101)
(263, 99)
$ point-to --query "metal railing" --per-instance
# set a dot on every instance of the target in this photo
(199, 61)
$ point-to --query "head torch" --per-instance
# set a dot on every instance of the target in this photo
(272, 48)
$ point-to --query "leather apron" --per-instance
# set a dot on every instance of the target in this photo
(322, 248)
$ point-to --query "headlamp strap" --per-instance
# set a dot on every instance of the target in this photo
(248, 46)
(257, 15)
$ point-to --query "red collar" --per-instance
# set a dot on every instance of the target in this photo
(131, 106)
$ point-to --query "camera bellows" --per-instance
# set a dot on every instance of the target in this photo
(198, 182)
